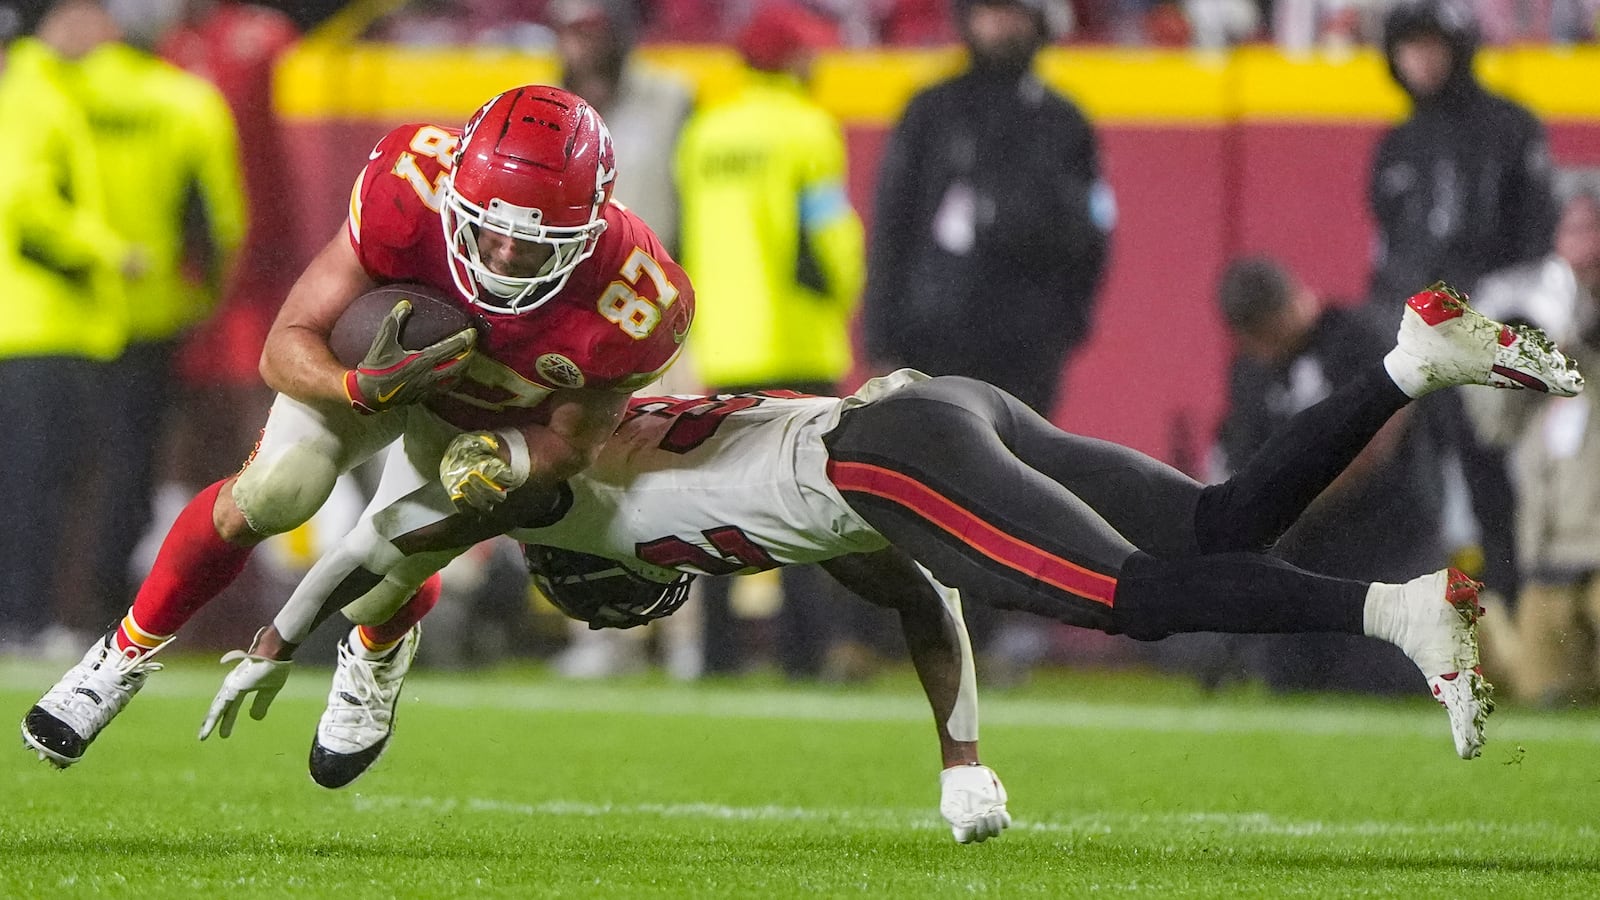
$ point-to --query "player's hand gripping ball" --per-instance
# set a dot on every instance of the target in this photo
(416, 344)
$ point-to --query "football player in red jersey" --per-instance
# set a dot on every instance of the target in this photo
(578, 302)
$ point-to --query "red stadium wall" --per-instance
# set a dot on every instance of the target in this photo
(1208, 160)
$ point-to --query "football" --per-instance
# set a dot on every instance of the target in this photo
(433, 317)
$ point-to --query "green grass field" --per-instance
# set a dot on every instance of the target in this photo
(514, 784)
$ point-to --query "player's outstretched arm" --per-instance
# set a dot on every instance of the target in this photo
(261, 671)
(972, 798)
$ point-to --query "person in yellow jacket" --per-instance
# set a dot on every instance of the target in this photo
(61, 265)
(768, 233)
(778, 258)
(168, 155)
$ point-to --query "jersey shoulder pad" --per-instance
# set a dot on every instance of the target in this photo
(643, 291)
(398, 191)
(624, 233)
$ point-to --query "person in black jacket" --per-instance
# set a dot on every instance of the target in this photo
(992, 222)
(1461, 188)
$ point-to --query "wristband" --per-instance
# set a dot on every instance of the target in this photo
(517, 449)
(352, 392)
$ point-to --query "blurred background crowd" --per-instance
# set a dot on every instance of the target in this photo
(942, 184)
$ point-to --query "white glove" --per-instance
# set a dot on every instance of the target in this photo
(973, 801)
(254, 674)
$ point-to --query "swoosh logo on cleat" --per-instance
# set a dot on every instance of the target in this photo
(385, 398)
(1522, 378)
(348, 698)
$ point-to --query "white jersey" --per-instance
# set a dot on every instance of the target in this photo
(717, 485)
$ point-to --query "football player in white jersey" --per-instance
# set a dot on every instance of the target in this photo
(983, 494)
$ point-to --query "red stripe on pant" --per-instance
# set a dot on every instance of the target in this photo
(966, 526)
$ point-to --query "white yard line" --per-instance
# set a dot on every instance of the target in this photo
(462, 692)
(1424, 718)
(1208, 823)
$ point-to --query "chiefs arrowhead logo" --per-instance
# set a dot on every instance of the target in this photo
(559, 371)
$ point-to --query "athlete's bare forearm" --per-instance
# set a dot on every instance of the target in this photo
(936, 638)
(296, 359)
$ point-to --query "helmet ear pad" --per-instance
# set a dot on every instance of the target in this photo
(602, 592)
(535, 164)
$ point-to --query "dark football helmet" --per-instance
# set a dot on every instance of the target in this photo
(534, 164)
(600, 591)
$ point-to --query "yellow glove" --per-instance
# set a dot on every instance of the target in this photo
(476, 475)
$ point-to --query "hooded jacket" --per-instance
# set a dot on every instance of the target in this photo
(1463, 186)
(991, 234)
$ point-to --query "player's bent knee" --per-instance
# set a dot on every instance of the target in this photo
(401, 581)
(379, 604)
(230, 521)
(277, 495)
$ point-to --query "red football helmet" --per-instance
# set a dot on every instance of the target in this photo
(534, 164)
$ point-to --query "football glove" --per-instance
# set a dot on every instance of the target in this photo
(390, 375)
(254, 674)
(473, 473)
(973, 801)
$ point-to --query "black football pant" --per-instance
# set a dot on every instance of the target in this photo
(45, 433)
(1016, 513)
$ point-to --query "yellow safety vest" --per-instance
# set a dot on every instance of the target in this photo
(769, 238)
(60, 288)
(164, 139)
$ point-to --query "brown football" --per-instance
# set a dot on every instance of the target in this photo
(434, 317)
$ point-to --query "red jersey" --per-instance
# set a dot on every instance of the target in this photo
(590, 334)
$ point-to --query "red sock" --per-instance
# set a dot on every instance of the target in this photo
(194, 565)
(377, 637)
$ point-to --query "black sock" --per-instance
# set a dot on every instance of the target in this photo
(1233, 593)
(1251, 510)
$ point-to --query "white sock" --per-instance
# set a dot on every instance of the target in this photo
(1406, 371)
(1381, 615)
(1392, 616)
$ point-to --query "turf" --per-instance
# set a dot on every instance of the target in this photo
(514, 784)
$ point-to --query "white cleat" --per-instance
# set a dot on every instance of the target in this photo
(1446, 343)
(355, 727)
(1441, 636)
(67, 719)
